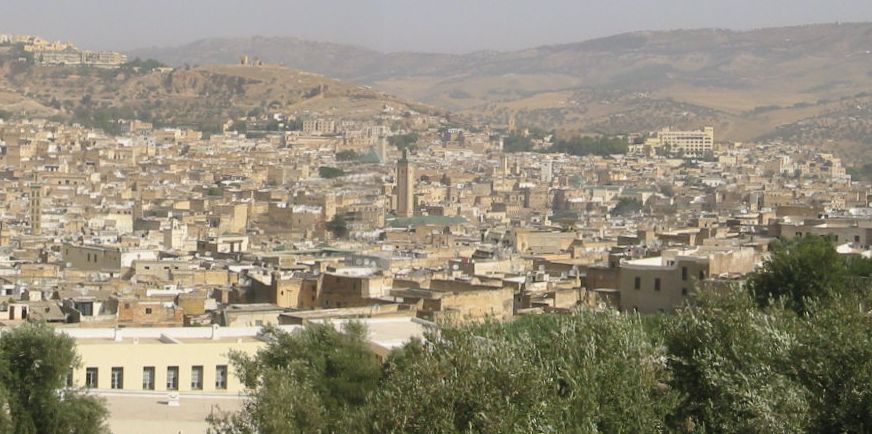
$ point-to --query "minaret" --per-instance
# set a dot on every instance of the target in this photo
(405, 187)
(35, 209)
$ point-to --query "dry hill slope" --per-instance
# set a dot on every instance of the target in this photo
(789, 82)
(202, 97)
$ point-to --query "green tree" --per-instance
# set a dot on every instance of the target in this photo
(731, 362)
(833, 361)
(858, 267)
(283, 402)
(308, 381)
(328, 172)
(799, 270)
(338, 226)
(34, 362)
(294, 125)
(586, 373)
(626, 206)
(347, 155)
(517, 143)
(404, 141)
(598, 145)
(240, 126)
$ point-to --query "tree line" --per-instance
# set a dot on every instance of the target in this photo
(578, 146)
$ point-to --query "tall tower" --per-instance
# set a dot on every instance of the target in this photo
(35, 209)
(405, 187)
(383, 149)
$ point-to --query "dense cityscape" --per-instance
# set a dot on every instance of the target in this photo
(402, 269)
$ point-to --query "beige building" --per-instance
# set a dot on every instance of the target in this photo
(841, 230)
(161, 360)
(663, 283)
(448, 300)
(193, 361)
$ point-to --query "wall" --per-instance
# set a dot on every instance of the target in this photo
(106, 354)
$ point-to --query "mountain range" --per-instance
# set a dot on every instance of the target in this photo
(807, 84)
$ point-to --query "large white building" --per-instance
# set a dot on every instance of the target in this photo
(688, 143)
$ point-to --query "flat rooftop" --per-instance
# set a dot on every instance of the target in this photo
(148, 413)
(160, 334)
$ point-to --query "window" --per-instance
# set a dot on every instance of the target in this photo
(117, 378)
(172, 378)
(856, 238)
(148, 311)
(657, 284)
(196, 378)
(701, 275)
(683, 273)
(148, 378)
(91, 378)
(684, 292)
(221, 377)
(69, 379)
(637, 284)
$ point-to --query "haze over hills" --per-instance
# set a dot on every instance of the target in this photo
(792, 82)
(203, 97)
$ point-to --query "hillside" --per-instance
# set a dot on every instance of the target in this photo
(788, 82)
(202, 97)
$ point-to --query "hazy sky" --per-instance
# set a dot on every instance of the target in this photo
(396, 25)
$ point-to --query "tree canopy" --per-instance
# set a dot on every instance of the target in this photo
(404, 141)
(578, 146)
(34, 363)
(338, 226)
(328, 172)
(626, 206)
(805, 269)
(587, 145)
(311, 381)
(347, 155)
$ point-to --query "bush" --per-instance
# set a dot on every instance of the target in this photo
(347, 155)
(404, 141)
(328, 172)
